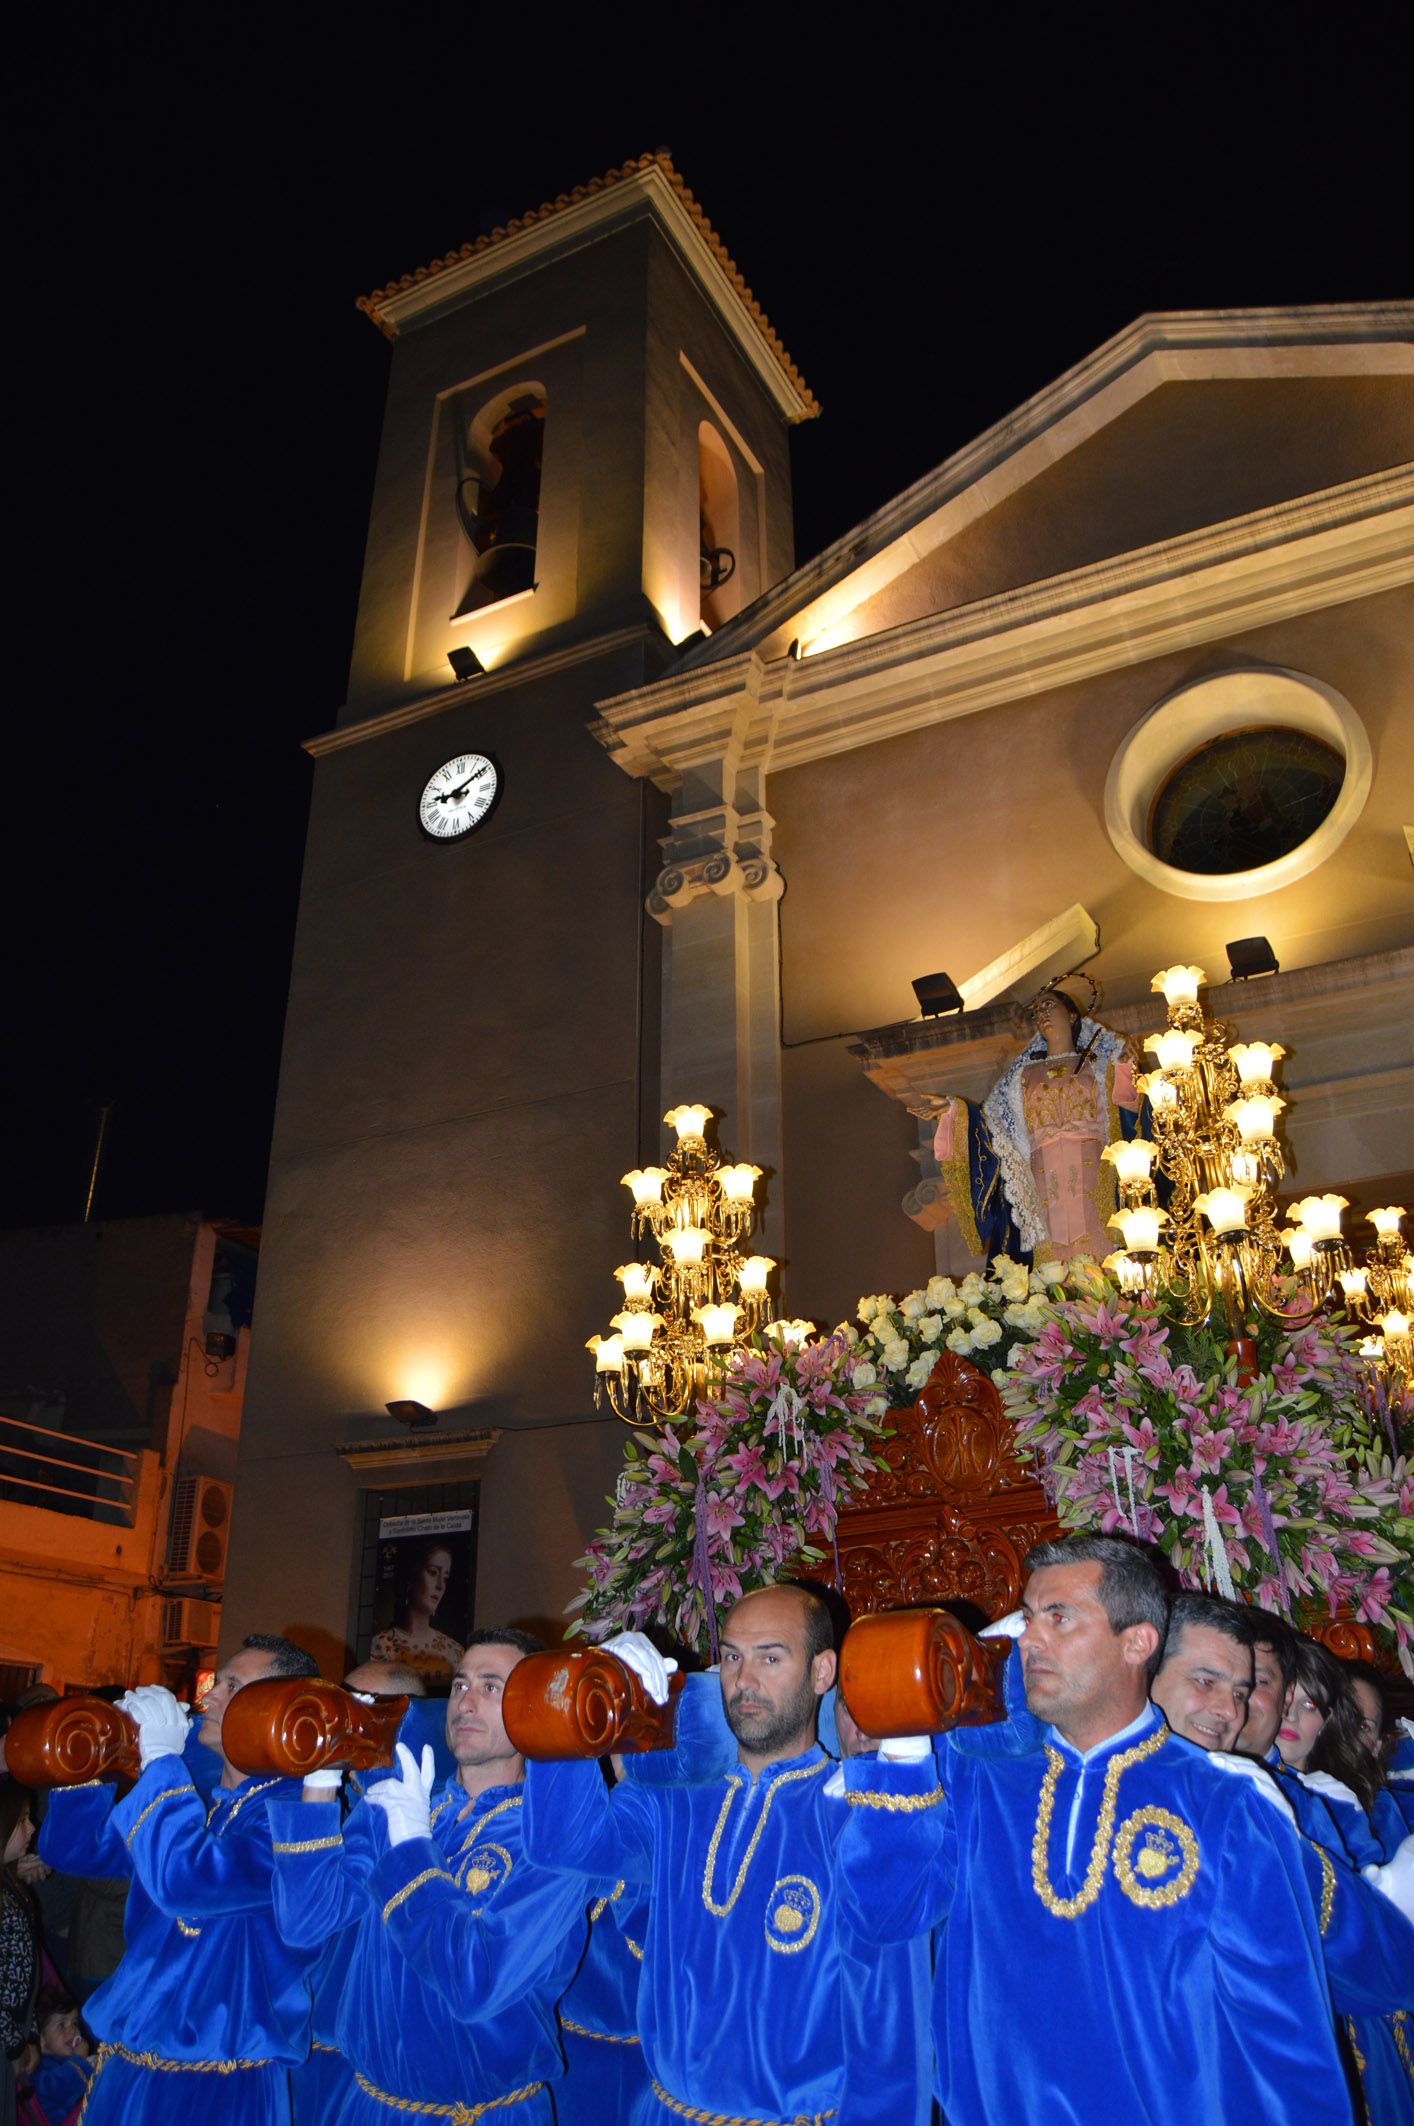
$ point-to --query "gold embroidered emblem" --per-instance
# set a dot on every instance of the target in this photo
(1156, 1856)
(484, 1869)
(792, 1914)
(1166, 1860)
(478, 1878)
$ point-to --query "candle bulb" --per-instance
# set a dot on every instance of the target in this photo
(1224, 1208)
(1352, 1282)
(1386, 1221)
(1255, 1116)
(1320, 1215)
(636, 1279)
(1131, 1159)
(718, 1323)
(738, 1182)
(754, 1272)
(608, 1353)
(685, 1243)
(1300, 1246)
(1139, 1227)
(1254, 1060)
(688, 1121)
(1180, 985)
(1174, 1049)
(646, 1183)
(636, 1330)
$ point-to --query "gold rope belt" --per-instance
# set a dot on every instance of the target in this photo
(727, 2118)
(459, 2114)
(154, 2061)
(605, 2037)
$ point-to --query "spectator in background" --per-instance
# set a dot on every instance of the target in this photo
(19, 1943)
(60, 2080)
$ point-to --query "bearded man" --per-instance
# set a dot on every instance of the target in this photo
(755, 2000)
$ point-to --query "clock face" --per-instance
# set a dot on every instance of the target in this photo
(459, 796)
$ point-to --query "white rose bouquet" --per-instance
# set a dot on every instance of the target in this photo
(982, 1317)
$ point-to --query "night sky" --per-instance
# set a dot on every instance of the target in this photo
(938, 219)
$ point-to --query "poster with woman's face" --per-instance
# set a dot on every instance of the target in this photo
(422, 1600)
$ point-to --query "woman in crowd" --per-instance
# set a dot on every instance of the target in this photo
(1320, 1737)
(19, 1944)
(1391, 1811)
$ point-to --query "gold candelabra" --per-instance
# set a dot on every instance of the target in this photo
(682, 1316)
(1217, 1248)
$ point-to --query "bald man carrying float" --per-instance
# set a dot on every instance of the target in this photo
(756, 2003)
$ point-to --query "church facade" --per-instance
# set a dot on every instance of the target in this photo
(626, 809)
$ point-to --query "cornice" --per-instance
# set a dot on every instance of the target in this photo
(521, 673)
(1344, 542)
(649, 185)
(1159, 347)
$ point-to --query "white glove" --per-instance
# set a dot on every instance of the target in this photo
(1252, 1768)
(364, 1697)
(161, 1721)
(1406, 1728)
(1326, 1783)
(1396, 1878)
(1008, 1627)
(643, 1658)
(407, 1800)
(326, 1782)
(906, 1749)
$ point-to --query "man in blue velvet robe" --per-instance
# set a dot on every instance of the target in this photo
(755, 2002)
(458, 1946)
(1124, 1930)
(208, 2009)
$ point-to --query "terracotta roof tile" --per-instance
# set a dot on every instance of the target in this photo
(373, 305)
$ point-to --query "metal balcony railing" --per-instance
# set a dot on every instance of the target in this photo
(56, 1470)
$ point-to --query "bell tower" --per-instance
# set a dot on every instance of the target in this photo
(583, 466)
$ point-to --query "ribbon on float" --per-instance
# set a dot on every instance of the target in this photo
(702, 1561)
(1128, 1454)
(1269, 1536)
(1219, 1572)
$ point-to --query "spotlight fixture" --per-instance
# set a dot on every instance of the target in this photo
(411, 1413)
(937, 994)
(465, 662)
(1249, 956)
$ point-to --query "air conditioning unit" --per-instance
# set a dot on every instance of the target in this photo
(191, 1623)
(201, 1528)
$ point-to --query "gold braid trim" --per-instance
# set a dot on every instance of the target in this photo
(602, 1904)
(901, 1804)
(1355, 2053)
(316, 2045)
(459, 2114)
(605, 2037)
(633, 1948)
(190, 1932)
(1119, 1764)
(513, 1801)
(400, 1896)
(727, 2118)
(1327, 1889)
(804, 1771)
(168, 1793)
(1397, 2023)
(306, 1845)
(157, 2065)
(263, 1788)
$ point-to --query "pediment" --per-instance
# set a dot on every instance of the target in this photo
(1183, 421)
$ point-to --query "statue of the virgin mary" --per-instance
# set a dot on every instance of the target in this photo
(1023, 1172)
